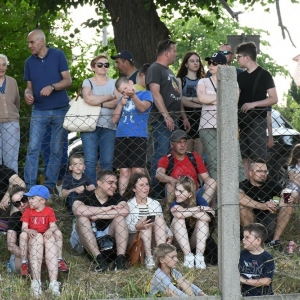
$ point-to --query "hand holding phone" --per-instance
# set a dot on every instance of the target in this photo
(152, 218)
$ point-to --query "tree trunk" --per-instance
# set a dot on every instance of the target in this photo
(136, 29)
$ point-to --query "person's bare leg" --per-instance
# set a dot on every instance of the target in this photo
(86, 235)
(59, 241)
(170, 189)
(36, 250)
(51, 257)
(198, 147)
(179, 230)
(160, 230)
(210, 189)
(246, 215)
(125, 174)
(23, 241)
(284, 215)
(199, 236)
(146, 237)
(118, 229)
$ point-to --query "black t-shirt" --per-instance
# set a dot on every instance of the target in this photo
(262, 193)
(246, 84)
(255, 267)
(15, 223)
(5, 174)
(169, 91)
(89, 198)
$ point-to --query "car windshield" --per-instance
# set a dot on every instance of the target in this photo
(278, 121)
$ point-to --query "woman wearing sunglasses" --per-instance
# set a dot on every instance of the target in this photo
(19, 202)
(207, 96)
(99, 90)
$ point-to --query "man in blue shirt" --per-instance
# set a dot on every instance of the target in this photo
(47, 75)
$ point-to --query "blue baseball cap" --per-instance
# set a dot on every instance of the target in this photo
(123, 54)
(38, 190)
(217, 57)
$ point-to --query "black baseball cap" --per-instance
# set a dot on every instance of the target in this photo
(177, 135)
(123, 54)
(217, 57)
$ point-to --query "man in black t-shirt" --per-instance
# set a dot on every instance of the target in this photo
(101, 212)
(255, 196)
(257, 92)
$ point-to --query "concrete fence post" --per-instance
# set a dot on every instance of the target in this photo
(228, 213)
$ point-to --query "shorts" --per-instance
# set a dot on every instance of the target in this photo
(193, 116)
(101, 233)
(253, 139)
(130, 152)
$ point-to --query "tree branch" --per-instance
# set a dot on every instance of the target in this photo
(234, 15)
(280, 24)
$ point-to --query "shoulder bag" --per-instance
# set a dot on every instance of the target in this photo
(81, 117)
(136, 253)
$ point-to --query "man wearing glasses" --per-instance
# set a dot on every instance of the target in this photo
(257, 92)
(257, 204)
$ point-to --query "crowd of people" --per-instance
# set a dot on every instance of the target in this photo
(181, 113)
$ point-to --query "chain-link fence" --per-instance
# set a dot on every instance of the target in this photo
(160, 233)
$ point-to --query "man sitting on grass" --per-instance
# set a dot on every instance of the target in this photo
(107, 211)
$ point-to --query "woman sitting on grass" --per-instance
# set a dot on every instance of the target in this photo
(167, 281)
(145, 215)
(189, 222)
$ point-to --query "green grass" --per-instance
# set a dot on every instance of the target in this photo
(83, 283)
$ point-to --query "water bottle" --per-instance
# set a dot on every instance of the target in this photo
(94, 228)
(8, 268)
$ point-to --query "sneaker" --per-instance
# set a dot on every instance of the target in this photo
(291, 247)
(275, 245)
(25, 269)
(199, 261)
(101, 264)
(149, 262)
(120, 263)
(36, 288)
(189, 261)
(62, 266)
(59, 189)
(54, 288)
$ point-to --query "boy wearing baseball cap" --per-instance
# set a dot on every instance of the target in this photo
(39, 228)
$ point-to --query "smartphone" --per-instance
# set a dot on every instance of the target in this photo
(152, 218)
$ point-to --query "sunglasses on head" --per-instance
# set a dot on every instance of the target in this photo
(225, 52)
(214, 63)
(100, 65)
(18, 203)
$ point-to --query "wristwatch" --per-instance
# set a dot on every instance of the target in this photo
(53, 87)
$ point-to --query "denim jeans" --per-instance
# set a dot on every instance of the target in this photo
(40, 119)
(100, 140)
(161, 141)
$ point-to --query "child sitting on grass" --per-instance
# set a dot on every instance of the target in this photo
(167, 281)
(76, 182)
(256, 265)
(39, 231)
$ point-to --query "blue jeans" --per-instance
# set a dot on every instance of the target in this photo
(161, 141)
(40, 119)
(100, 140)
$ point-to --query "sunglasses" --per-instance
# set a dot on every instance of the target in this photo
(225, 52)
(214, 63)
(100, 65)
(18, 203)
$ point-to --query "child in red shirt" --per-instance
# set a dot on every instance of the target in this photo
(39, 220)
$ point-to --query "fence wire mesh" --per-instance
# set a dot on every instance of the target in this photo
(155, 206)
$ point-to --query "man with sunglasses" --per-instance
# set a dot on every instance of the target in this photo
(125, 65)
(257, 205)
(167, 108)
(47, 75)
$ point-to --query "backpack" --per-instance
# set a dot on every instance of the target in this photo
(190, 156)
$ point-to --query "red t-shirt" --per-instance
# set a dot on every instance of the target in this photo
(39, 220)
(184, 167)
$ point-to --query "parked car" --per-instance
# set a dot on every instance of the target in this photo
(285, 137)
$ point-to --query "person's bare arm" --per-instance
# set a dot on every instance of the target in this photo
(52, 228)
(141, 106)
(185, 121)
(118, 110)
(58, 86)
(115, 210)
(82, 210)
(270, 142)
(28, 94)
(295, 178)
(256, 282)
(97, 100)
(188, 101)
(203, 97)
(162, 177)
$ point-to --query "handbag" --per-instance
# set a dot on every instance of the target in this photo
(81, 117)
(136, 253)
(107, 247)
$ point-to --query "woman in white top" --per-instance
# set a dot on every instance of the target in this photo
(141, 207)
(207, 96)
(99, 90)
